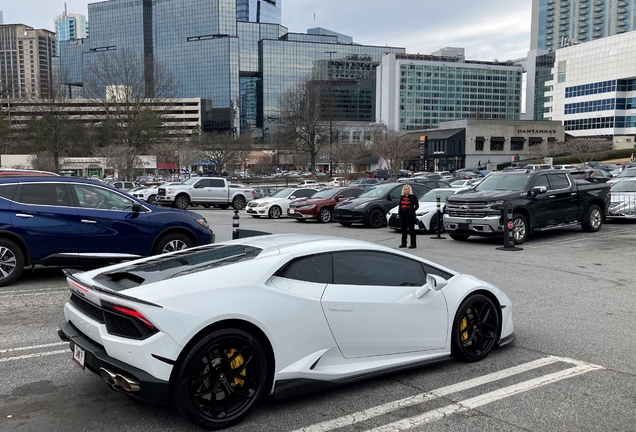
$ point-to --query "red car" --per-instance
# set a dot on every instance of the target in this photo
(320, 205)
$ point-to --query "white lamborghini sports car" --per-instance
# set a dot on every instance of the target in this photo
(215, 328)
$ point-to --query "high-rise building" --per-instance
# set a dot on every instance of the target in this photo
(259, 11)
(420, 91)
(557, 23)
(242, 67)
(70, 26)
(25, 61)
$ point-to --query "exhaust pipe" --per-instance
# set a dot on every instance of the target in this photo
(127, 384)
(108, 376)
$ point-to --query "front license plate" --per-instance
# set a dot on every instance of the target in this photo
(291, 211)
(463, 226)
(79, 355)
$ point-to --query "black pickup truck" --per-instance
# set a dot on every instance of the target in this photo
(541, 199)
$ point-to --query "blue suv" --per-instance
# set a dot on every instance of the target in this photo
(69, 221)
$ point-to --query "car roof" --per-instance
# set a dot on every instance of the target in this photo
(11, 172)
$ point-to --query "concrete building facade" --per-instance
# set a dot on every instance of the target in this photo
(26, 69)
(593, 90)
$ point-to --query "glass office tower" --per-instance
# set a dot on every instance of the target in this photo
(242, 67)
(259, 11)
(557, 23)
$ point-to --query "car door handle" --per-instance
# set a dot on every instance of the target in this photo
(574, 194)
(552, 196)
(341, 308)
(25, 216)
(88, 221)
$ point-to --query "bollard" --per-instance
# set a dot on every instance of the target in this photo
(508, 223)
(440, 220)
(235, 225)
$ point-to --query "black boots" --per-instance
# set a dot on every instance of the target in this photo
(403, 245)
(413, 246)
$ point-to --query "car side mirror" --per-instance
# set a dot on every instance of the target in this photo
(539, 190)
(136, 208)
(198, 186)
(292, 197)
(389, 198)
(433, 283)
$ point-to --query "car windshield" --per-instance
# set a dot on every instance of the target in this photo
(513, 182)
(627, 173)
(459, 183)
(325, 193)
(431, 196)
(377, 191)
(624, 186)
(283, 193)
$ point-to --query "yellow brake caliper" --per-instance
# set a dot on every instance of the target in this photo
(235, 364)
(463, 325)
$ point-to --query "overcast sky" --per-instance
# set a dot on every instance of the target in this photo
(488, 29)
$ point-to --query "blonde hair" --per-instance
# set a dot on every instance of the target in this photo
(406, 190)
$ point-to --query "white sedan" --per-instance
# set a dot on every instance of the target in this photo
(426, 214)
(285, 314)
(149, 193)
(276, 205)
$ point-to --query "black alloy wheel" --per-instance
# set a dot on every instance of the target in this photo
(376, 219)
(11, 261)
(475, 329)
(221, 379)
(434, 221)
(325, 215)
(152, 199)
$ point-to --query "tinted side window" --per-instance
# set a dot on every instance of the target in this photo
(376, 268)
(203, 183)
(304, 193)
(420, 189)
(395, 193)
(559, 181)
(7, 191)
(217, 183)
(350, 193)
(50, 194)
(315, 268)
(541, 180)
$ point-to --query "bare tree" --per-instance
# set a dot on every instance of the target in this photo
(394, 147)
(43, 161)
(585, 149)
(130, 91)
(51, 128)
(349, 154)
(224, 148)
(302, 119)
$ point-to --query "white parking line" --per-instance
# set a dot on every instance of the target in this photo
(28, 356)
(2, 295)
(475, 402)
(424, 397)
(2, 351)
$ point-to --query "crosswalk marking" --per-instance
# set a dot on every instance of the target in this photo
(580, 367)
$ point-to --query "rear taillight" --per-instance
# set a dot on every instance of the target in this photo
(132, 314)
(253, 193)
(78, 286)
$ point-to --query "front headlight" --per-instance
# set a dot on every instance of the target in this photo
(263, 204)
(201, 221)
(363, 205)
(306, 206)
(169, 191)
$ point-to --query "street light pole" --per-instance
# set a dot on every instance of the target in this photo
(330, 115)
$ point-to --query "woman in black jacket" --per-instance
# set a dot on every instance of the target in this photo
(407, 207)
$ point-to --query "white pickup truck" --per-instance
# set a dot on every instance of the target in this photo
(205, 191)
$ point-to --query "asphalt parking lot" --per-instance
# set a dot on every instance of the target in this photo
(572, 367)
